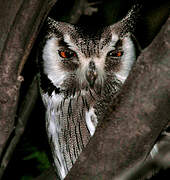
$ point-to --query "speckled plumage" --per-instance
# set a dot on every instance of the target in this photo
(77, 90)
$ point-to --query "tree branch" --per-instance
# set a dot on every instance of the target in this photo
(81, 7)
(26, 108)
(151, 166)
(18, 32)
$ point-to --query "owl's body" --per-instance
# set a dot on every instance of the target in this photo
(80, 75)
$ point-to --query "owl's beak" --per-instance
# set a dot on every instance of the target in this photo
(91, 74)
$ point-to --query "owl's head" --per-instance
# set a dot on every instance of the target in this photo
(74, 58)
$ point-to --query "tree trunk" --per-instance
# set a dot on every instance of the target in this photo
(20, 23)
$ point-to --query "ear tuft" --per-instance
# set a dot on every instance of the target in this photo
(128, 23)
(58, 28)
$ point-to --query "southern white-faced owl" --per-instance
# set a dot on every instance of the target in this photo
(80, 74)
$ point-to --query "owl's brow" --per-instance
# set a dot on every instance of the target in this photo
(118, 43)
(62, 43)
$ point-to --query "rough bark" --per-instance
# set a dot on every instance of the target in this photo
(128, 132)
(19, 24)
(27, 106)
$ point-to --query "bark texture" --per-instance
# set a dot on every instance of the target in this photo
(19, 24)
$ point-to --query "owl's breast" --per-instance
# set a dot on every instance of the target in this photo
(70, 122)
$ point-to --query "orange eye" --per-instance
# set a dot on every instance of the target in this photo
(66, 54)
(119, 54)
(63, 54)
(115, 53)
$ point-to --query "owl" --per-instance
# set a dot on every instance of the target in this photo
(81, 73)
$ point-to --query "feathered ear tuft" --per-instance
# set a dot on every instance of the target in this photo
(51, 22)
(58, 28)
(128, 23)
(130, 20)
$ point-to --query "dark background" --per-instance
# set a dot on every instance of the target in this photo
(32, 155)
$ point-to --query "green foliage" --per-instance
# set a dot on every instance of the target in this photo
(40, 157)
